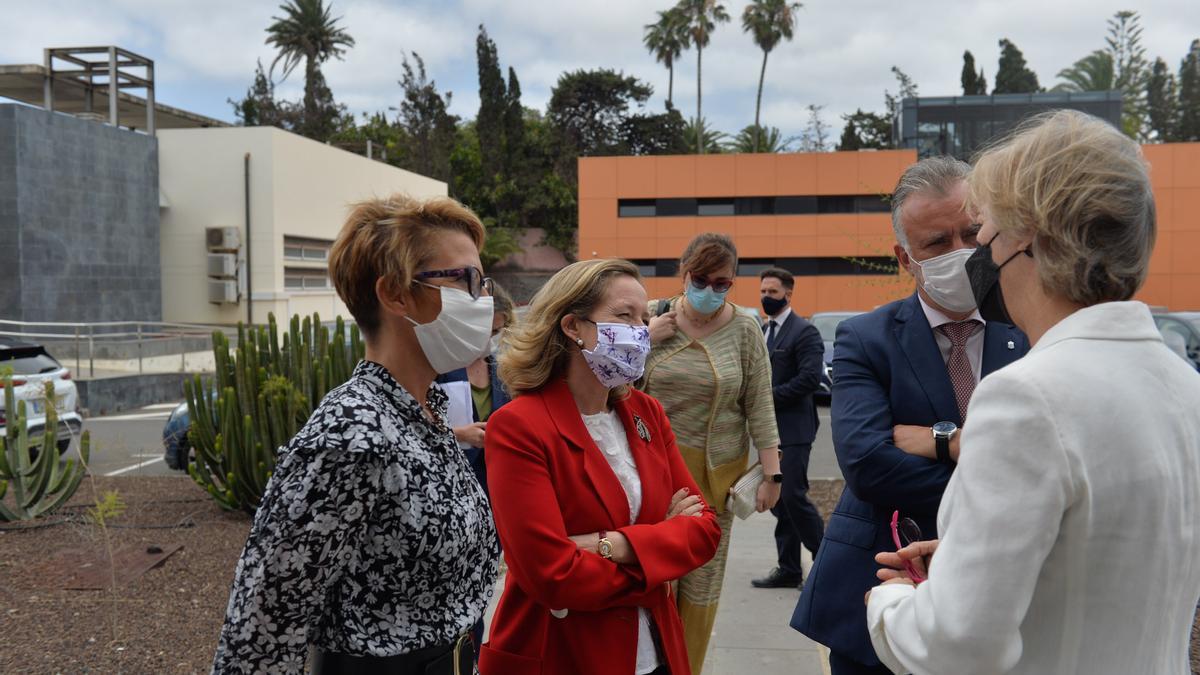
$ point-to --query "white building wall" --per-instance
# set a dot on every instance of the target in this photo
(298, 187)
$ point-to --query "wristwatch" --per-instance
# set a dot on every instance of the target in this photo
(774, 477)
(604, 546)
(943, 432)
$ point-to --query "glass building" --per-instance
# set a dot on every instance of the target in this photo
(962, 125)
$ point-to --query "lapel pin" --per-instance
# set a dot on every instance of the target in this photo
(1012, 345)
(642, 431)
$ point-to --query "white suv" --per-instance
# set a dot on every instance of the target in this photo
(31, 367)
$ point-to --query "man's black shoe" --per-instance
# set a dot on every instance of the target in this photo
(777, 578)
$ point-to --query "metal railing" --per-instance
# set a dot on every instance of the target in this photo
(154, 346)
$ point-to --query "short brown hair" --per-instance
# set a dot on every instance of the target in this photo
(1081, 190)
(391, 238)
(785, 277)
(707, 253)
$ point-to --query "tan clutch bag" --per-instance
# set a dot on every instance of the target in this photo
(743, 496)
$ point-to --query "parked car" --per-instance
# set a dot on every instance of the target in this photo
(32, 366)
(827, 323)
(177, 449)
(1181, 332)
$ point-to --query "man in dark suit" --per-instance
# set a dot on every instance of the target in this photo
(797, 358)
(900, 372)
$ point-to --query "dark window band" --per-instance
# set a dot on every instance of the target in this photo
(801, 267)
(752, 206)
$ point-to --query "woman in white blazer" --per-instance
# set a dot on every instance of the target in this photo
(1070, 532)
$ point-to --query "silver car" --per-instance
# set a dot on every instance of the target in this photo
(31, 367)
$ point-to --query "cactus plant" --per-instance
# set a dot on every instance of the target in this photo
(40, 484)
(256, 400)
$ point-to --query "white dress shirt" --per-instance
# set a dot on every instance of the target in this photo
(787, 311)
(974, 343)
(1071, 528)
(609, 434)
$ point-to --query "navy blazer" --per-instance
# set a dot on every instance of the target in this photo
(887, 370)
(796, 365)
(500, 397)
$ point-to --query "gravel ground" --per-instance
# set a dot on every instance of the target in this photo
(163, 622)
(166, 621)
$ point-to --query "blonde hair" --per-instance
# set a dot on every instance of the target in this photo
(391, 238)
(537, 349)
(1082, 190)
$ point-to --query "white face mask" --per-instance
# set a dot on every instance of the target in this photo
(460, 333)
(494, 343)
(945, 279)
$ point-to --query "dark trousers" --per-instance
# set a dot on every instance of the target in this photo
(840, 665)
(797, 521)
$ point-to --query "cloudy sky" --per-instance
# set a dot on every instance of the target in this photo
(205, 50)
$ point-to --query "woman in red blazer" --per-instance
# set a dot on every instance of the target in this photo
(595, 507)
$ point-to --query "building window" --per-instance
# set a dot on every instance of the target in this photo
(302, 279)
(676, 207)
(636, 208)
(795, 206)
(307, 250)
(715, 207)
(752, 267)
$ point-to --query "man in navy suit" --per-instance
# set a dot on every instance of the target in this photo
(797, 358)
(899, 373)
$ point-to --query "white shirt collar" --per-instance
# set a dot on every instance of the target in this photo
(779, 319)
(937, 318)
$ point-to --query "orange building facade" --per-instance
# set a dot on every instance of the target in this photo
(824, 217)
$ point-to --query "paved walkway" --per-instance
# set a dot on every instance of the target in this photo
(752, 636)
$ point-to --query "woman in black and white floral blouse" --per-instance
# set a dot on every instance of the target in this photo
(374, 545)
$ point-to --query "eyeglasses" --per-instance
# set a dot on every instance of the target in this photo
(477, 284)
(720, 285)
(905, 532)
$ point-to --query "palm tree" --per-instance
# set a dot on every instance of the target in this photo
(760, 139)
(1093, 72)
(666, 40)
(307, 32)
(711, 140)
(702, 17)
(769, 21)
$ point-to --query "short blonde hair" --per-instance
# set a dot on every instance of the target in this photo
(1082, 190)
(391, 238)
(537, 349)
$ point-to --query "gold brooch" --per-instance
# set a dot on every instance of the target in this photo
(643, 432)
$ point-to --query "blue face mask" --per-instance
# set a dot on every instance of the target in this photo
(705, 300)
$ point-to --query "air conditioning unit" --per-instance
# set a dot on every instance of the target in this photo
(223, 265)
(222, 238)
(222, 292)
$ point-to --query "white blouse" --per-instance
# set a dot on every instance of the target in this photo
(609, 434)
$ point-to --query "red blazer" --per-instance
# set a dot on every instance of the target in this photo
(548, 480)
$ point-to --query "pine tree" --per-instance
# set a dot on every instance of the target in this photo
(972, 82)
(1161, 103)
(493, 104)
(1014, 76)
(1189, 95)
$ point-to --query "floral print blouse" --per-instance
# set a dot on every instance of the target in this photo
(373, 537)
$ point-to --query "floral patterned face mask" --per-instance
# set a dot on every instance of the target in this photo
(619, 356)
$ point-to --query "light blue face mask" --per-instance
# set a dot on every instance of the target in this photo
(705, 300)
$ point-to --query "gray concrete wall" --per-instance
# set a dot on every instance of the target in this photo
(10, 261)
(108, 395)
(86, 218)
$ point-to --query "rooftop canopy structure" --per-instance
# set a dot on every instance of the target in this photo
(92, 82)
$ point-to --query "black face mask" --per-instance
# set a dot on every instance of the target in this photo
(773, 306)
(984, 274)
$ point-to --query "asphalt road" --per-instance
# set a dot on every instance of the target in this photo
(130, 444)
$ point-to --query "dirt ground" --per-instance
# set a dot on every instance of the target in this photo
(165, 621)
